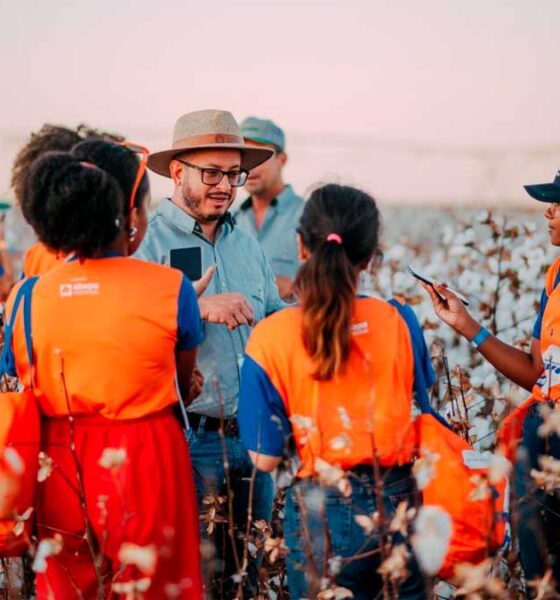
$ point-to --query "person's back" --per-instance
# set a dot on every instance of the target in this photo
(133, 328)
(337, 373)
(109, 335)
(371, 395)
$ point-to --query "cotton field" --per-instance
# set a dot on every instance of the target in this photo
(498, 260)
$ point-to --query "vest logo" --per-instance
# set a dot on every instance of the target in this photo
(360, 328)
(67, 290)
(551, 374)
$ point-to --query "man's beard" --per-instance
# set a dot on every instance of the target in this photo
(193, 203)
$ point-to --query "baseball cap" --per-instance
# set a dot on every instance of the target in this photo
(545, 192)
(263, 131)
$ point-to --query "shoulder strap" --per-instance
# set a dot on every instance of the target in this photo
(24, 293)
(27, 320)
(9, 328)
(556, 280)
(422, 399)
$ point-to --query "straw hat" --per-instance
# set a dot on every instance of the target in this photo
(211, 130)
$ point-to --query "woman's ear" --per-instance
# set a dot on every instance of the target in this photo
(303, 252)
(133, 219)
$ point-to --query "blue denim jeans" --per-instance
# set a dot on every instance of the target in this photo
(207, 456)
(320, 522)
(538, 513)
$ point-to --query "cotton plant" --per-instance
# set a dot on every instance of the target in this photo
(499, 262)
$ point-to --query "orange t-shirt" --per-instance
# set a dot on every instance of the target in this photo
(112, 325)
(364, 407)
(548, 384)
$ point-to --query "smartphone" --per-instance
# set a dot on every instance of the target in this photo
(187, 260)
(431, 282)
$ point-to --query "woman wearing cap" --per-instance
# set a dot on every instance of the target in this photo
(109, 335)
(539, 372)
(338, 373)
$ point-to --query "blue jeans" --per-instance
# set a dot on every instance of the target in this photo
(321, 523)
(538, 513)
(207, 456)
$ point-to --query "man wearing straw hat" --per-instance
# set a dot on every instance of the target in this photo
(194, 231)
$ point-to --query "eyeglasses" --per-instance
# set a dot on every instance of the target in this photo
(142, 153)
(211, 176)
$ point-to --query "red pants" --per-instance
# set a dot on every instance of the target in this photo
(148, 501)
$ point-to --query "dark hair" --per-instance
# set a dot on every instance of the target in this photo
(50, 138)
(74, 206)
(120, 162)
(326, 283)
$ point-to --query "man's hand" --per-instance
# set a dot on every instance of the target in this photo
(231, 309)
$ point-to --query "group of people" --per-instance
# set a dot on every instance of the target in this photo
(246, 331)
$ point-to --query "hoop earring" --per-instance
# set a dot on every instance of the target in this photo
(132, 233)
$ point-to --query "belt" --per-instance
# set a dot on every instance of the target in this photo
(228, 425)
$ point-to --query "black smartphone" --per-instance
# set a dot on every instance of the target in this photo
(187, 260)
(431, 282)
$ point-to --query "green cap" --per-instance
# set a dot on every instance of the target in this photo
(263, 131)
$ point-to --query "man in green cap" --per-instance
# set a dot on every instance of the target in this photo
(272, 211)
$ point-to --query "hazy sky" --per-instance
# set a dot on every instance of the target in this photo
(424, 77)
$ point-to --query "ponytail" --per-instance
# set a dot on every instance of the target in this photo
(340, 229)
(326, 285)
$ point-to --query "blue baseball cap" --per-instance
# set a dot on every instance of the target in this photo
(263, 131)
(545, 192)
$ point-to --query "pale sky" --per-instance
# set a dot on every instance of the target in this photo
(413, 99)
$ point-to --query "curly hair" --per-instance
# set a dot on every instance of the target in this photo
(74, 206)
(117, 160)
(50, 138)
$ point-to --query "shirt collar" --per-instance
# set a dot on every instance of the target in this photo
(181, 219)
(284, 199)
(108, 254)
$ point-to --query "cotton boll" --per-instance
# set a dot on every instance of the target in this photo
(430, 541)
(490, 380)
(448, 235)
(396, 252)
(486, 434)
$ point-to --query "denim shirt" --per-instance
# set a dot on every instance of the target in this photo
(241, 266)
(278, 230)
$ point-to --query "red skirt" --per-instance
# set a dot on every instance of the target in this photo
(141, 511)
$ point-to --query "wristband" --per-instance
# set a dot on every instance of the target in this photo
(480, 337)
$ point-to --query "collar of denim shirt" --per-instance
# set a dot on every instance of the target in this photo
(282, 202)
(181, 219)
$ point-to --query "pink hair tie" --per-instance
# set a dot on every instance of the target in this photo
(334, 237)
(88, 165)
